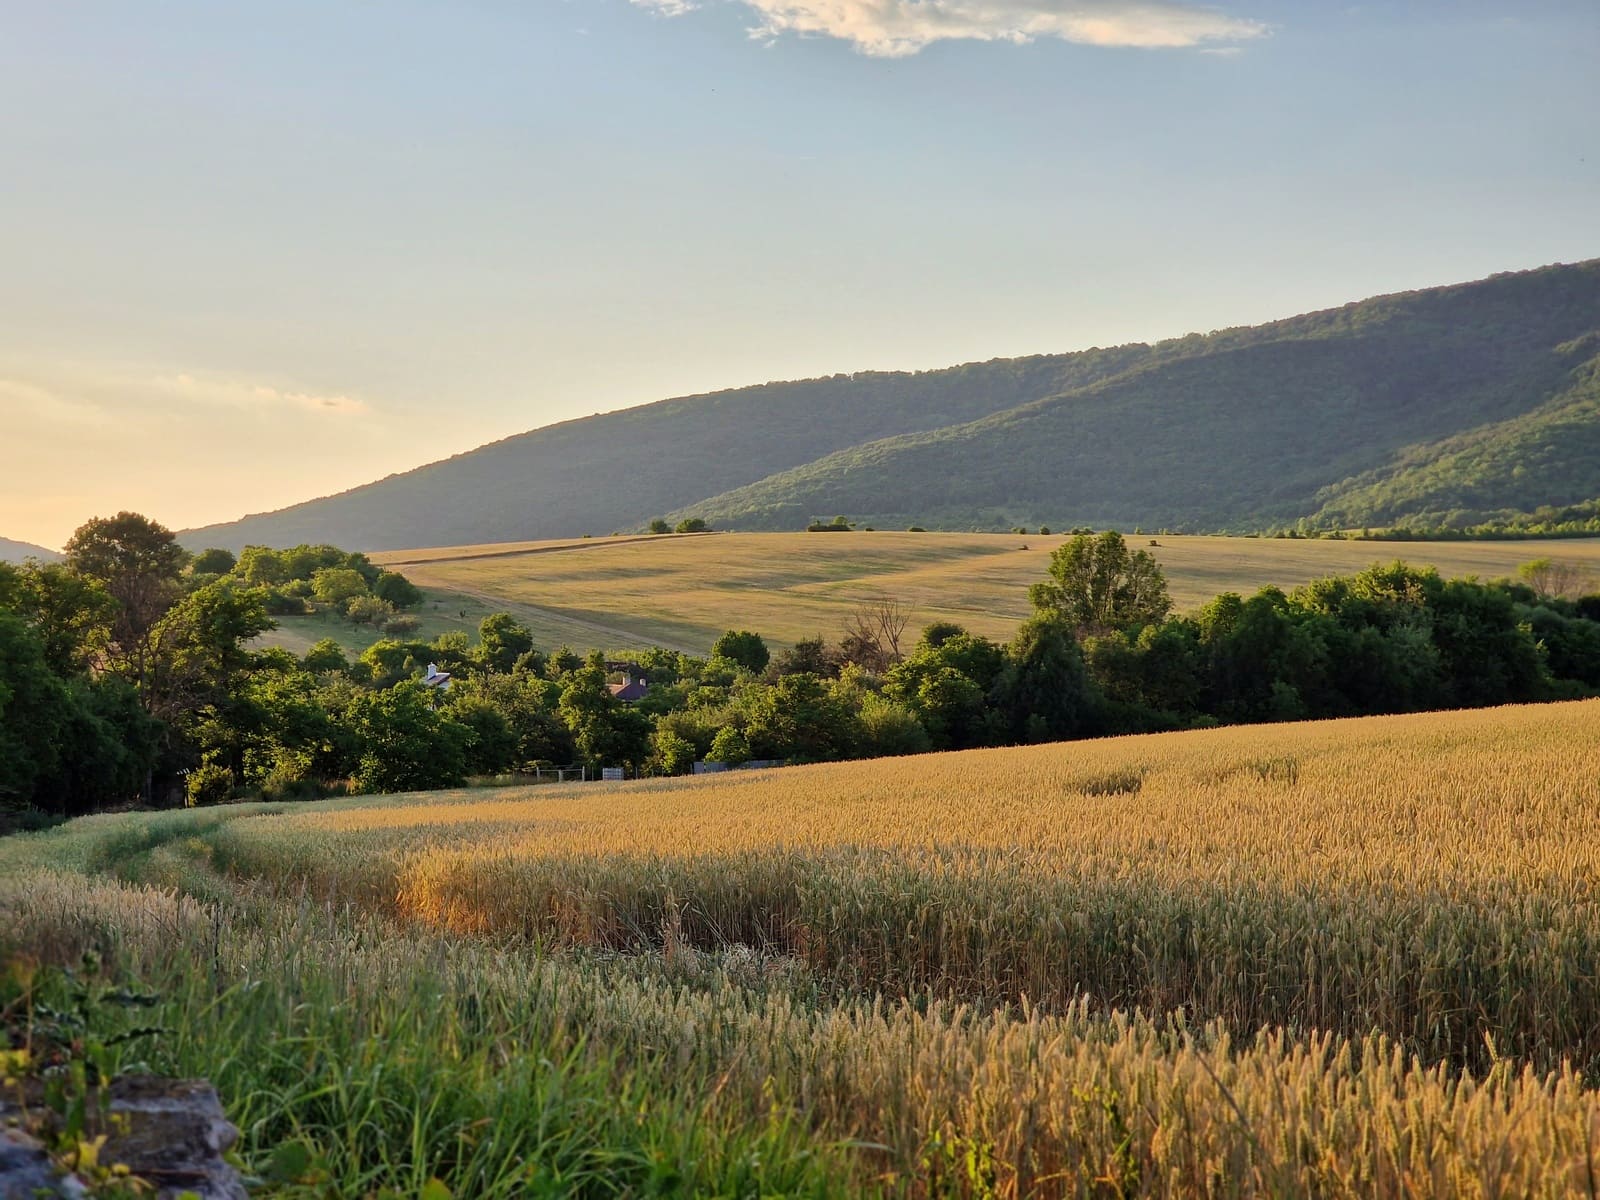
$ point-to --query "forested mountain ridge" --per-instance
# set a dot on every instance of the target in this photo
(617, 470)
(1422, 407)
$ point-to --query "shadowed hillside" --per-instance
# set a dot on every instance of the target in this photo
(16, 552)
(1418, 407)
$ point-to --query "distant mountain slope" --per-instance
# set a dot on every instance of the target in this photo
(1494, 473)
(16, 552)
(617, 470)
(1420, 402)
(1253, 427)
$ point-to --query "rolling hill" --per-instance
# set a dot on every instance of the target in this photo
(16, 552)
(1445, 406)
(683, 591)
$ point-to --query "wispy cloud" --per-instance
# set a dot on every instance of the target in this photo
(667, 8)
(82, 399)
(896, 28)
(238, 394)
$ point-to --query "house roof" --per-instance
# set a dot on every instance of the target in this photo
(633, 689)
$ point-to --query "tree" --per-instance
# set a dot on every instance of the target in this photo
(1550, 578)
(743, 648)
(809, 656)
(503, 640)
(261, 566)
(940, 632)
(214, 562)
(563, 662)
(71, 613)
(1096, 584)
(405, 744)
(671, 754)
(660, 525)
(1044, 688)
(34, 707)
(491, 746)
(109, 746)
(338, 585)
(693, 525)
(604, 731)
(198, 665)
(800, 718)
(111, 549)
(889, 728)
(729, 746)
(530, 706)
(368, 610)
(396, 589)
(1261, 662)
(872, 634)
(1487, 657)
(138, 561)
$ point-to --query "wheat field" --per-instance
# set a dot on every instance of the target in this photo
(1344, 958)
(1328, 959)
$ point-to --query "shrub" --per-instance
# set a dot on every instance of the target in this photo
(729, 747)
(369, 610)
(209, 783)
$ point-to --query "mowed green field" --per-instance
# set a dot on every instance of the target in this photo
(683, 591)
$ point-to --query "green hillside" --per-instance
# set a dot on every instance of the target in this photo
(1422, 407)
(617, 470)
(1488, 474)
(1254, 427)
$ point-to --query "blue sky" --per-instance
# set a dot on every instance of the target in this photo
(258, 252)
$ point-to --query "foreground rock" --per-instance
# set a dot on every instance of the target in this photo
(170, 1133)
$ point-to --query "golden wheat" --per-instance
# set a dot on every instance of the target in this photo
(1370, 949)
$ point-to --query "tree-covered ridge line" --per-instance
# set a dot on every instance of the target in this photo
(127, 674)
(1404, 409)
(1247, 434)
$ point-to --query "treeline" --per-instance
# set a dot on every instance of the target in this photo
(1550, 521)
(308, 579)
(127, 674)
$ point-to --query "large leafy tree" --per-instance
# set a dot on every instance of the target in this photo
(1044, 689)
(139, 563)
(945, 682)
(605, 732)
(407, 745)
(34, 707)
(70, 745)
(743, 648)
(72, 615)
(1096, 584)
(800, 718)
(503, 640)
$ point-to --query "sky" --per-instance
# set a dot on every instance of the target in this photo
(252, 253)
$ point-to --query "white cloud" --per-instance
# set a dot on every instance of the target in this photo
(895, 28)
(254, 395)
(666, 8)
